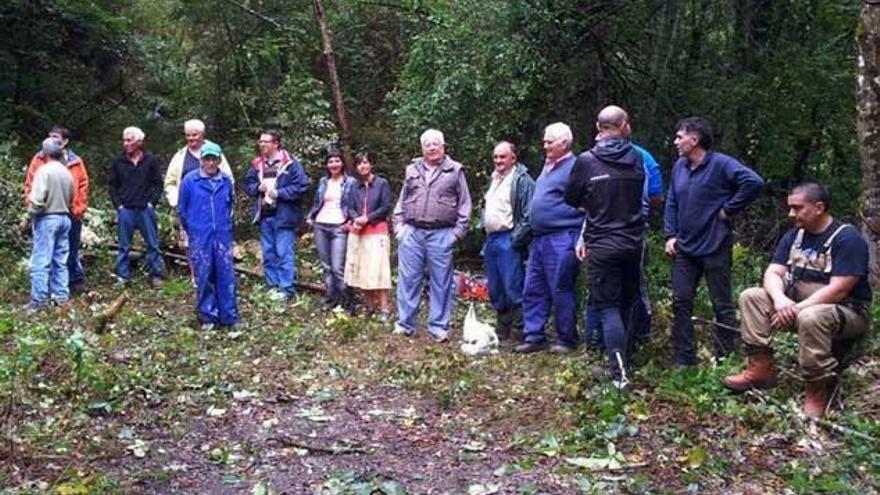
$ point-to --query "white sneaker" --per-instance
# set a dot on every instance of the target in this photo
(277, 295)
(207, 326)
(399, 330)
(621, 384)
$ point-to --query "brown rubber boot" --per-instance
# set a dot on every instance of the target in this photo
(759, 372)
(817, 393)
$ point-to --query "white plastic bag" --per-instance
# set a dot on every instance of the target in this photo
(479, 338)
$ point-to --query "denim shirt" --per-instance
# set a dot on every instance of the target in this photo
(376, 194)
(348, 185)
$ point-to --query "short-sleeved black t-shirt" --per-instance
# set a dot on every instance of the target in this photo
(849, 252)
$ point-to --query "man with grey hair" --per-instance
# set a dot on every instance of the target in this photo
(135, 189)
(432, 213)
(552, 266)
(185, 161)
(49, 203)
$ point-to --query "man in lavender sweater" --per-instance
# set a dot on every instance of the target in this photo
(552, 267)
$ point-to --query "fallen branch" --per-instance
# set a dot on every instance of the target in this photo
(269, 321)
(625, 467)
(830, 425)
(285, 441)
(107, 316)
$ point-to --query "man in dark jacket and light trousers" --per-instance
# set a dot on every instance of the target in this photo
(706, 189)
(277, 181)
(608, 182)
(506, 221)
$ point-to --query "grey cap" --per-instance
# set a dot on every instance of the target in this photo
(51, 147)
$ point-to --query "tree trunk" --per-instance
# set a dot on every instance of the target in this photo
(868, 104)
(330, 60)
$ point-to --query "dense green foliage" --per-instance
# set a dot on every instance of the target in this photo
(776, 77)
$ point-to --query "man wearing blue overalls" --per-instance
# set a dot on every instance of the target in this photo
(205, 209)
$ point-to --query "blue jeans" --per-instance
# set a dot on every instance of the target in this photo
(332, 243)
(210, 256)
(144, 220)
(419, 249)
(279, 256)
(504, 271)
(550, 277)
(49, 259)
(76, 274)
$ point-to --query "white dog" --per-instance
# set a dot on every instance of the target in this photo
(479, 338)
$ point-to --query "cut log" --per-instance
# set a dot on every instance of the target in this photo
(107, 316)
(238, 269)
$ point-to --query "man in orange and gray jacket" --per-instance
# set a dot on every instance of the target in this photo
(77, 168)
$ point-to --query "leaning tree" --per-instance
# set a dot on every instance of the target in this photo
(868, 97)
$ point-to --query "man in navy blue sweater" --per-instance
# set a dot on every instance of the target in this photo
(706, 189)
(552, 267)
(608, 182)
(135, 189)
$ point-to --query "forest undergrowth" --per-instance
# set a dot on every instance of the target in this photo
(300, 401)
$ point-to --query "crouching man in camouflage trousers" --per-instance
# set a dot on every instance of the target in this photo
(817, 284)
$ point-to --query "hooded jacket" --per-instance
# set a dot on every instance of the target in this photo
(608, 182)
(77, 168)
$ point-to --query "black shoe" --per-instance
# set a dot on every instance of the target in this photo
(503, 322)
(528, 347)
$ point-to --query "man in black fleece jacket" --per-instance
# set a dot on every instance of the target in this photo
(608, 182)
(135, 188)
